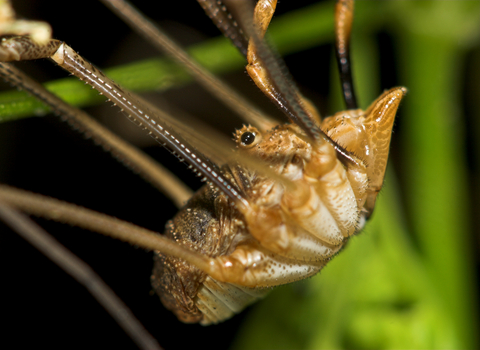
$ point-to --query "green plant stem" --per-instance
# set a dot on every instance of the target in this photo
(435, 167)
(292, 32)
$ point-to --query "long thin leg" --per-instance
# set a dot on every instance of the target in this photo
(343, 27)
(129, 155)
(217, 87)
(223, 19)
(154, 123)
(269, 74)
(133, 107)
(54, 209)
(80, 272)
(262, 269)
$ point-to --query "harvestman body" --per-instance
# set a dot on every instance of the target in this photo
(276, 213)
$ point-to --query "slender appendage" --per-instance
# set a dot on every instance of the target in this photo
(217, 88)
(129, 155)
(132, 107)
(54, 209)
(218, 13)
(81, 272)
(231, 269)
(24, 48)
(152, 122)
(343, 27)
(273, 79)
(143, 117)
(268, 72)
(146, 167)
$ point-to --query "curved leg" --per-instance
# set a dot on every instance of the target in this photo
(343, 27)
(263, 14)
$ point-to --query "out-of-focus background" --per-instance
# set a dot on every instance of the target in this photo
(410, 280)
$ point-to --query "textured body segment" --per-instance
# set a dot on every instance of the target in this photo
(219, 301)
(207, 224)
(287, 233)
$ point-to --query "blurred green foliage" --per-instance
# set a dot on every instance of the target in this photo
(408, 280)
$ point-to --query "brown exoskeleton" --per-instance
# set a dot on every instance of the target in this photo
(256, 227)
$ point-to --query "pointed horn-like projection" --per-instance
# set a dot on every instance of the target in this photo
(367, 135)
(378, 125)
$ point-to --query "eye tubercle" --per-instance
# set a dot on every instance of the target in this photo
(247, 137)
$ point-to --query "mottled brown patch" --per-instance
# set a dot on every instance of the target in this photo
(207, 224)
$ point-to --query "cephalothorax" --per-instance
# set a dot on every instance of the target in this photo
(275, 213)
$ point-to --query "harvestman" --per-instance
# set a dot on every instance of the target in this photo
(256, 224)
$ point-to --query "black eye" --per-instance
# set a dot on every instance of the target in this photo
(247, 138)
